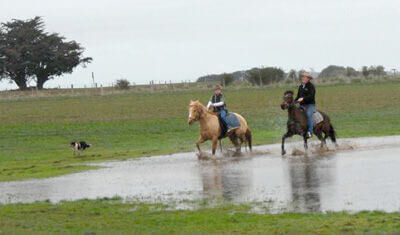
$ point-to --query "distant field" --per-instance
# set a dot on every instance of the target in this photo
(112, 216)
(35, 132)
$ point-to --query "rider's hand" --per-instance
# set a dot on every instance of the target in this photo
(300, 100)
(211, 105)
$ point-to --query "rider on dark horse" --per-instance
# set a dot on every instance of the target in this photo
(306, 97)
(217, 102)
(302, 122)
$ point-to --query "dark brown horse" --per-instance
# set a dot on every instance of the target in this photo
(297, 123)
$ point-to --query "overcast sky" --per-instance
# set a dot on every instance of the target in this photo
(182, 40)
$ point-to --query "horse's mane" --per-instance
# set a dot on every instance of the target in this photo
(198, 104)
(289, 92)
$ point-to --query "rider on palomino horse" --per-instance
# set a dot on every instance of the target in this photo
(217, 102)
(306, 97)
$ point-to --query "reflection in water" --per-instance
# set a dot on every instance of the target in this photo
(306, 176)
(355, 180)
(221, 180)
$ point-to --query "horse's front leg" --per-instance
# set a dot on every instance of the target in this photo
(198, 142)
(214, 145)
(305, 143)
(286, 135)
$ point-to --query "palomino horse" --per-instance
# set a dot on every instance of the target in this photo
(297, 123)
(210, 128)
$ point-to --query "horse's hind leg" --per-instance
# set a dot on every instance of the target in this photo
(325, 137)
(321, 138)
(242, 140)
(235, 142)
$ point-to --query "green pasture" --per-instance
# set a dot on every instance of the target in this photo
(111, 216)
(35, 132)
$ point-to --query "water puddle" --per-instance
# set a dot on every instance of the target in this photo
(363, 174)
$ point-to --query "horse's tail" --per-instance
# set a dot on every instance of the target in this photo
(248, 138)
(332, 133)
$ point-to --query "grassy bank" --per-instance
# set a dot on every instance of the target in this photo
(35, 132)
(112, 216)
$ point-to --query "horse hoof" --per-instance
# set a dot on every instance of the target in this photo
(283, 152)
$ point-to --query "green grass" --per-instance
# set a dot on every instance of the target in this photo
(111, 216)
(35, 132)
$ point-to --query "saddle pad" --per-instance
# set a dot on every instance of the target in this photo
(232, 120)
(318, 118)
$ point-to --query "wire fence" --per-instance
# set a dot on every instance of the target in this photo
(153, 87)
(100, 90)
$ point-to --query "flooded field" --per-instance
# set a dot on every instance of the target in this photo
(362, 174)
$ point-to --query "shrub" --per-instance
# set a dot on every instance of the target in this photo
(122, 84)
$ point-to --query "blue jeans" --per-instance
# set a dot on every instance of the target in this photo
(222, 114)
(310, 109)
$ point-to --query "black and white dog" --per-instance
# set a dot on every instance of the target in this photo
(78, 147)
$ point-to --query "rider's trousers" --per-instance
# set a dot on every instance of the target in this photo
(310, 109)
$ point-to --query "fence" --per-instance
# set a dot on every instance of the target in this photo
(100, 90)
(153, 87)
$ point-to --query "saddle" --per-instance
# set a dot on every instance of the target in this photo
(233, 121)
(317, 116)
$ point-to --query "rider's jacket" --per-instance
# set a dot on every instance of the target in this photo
(307, 92)
(218, 101)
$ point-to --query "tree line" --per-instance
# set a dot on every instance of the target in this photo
(267, 75)
(255, 76)
(29, 53)
(334, 71)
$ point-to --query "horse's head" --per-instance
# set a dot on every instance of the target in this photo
(194, 111)
(287, 99)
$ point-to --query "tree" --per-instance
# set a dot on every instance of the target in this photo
(351, 72)
(373, 70)
(236, 76)
(17, 38)
(380, 70)
(28, 53)
(292, 75)
(226, 79)
(333, 71)
(365, 71)
(55, 56)
(263, 76)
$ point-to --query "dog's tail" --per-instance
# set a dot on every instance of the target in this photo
(248, 138)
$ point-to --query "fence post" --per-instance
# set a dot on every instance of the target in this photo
(151, 86)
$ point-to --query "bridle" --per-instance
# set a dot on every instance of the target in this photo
(196, 117)
(286, 103)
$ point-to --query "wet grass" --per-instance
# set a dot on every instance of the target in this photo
(35, 132)
(110, 216)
